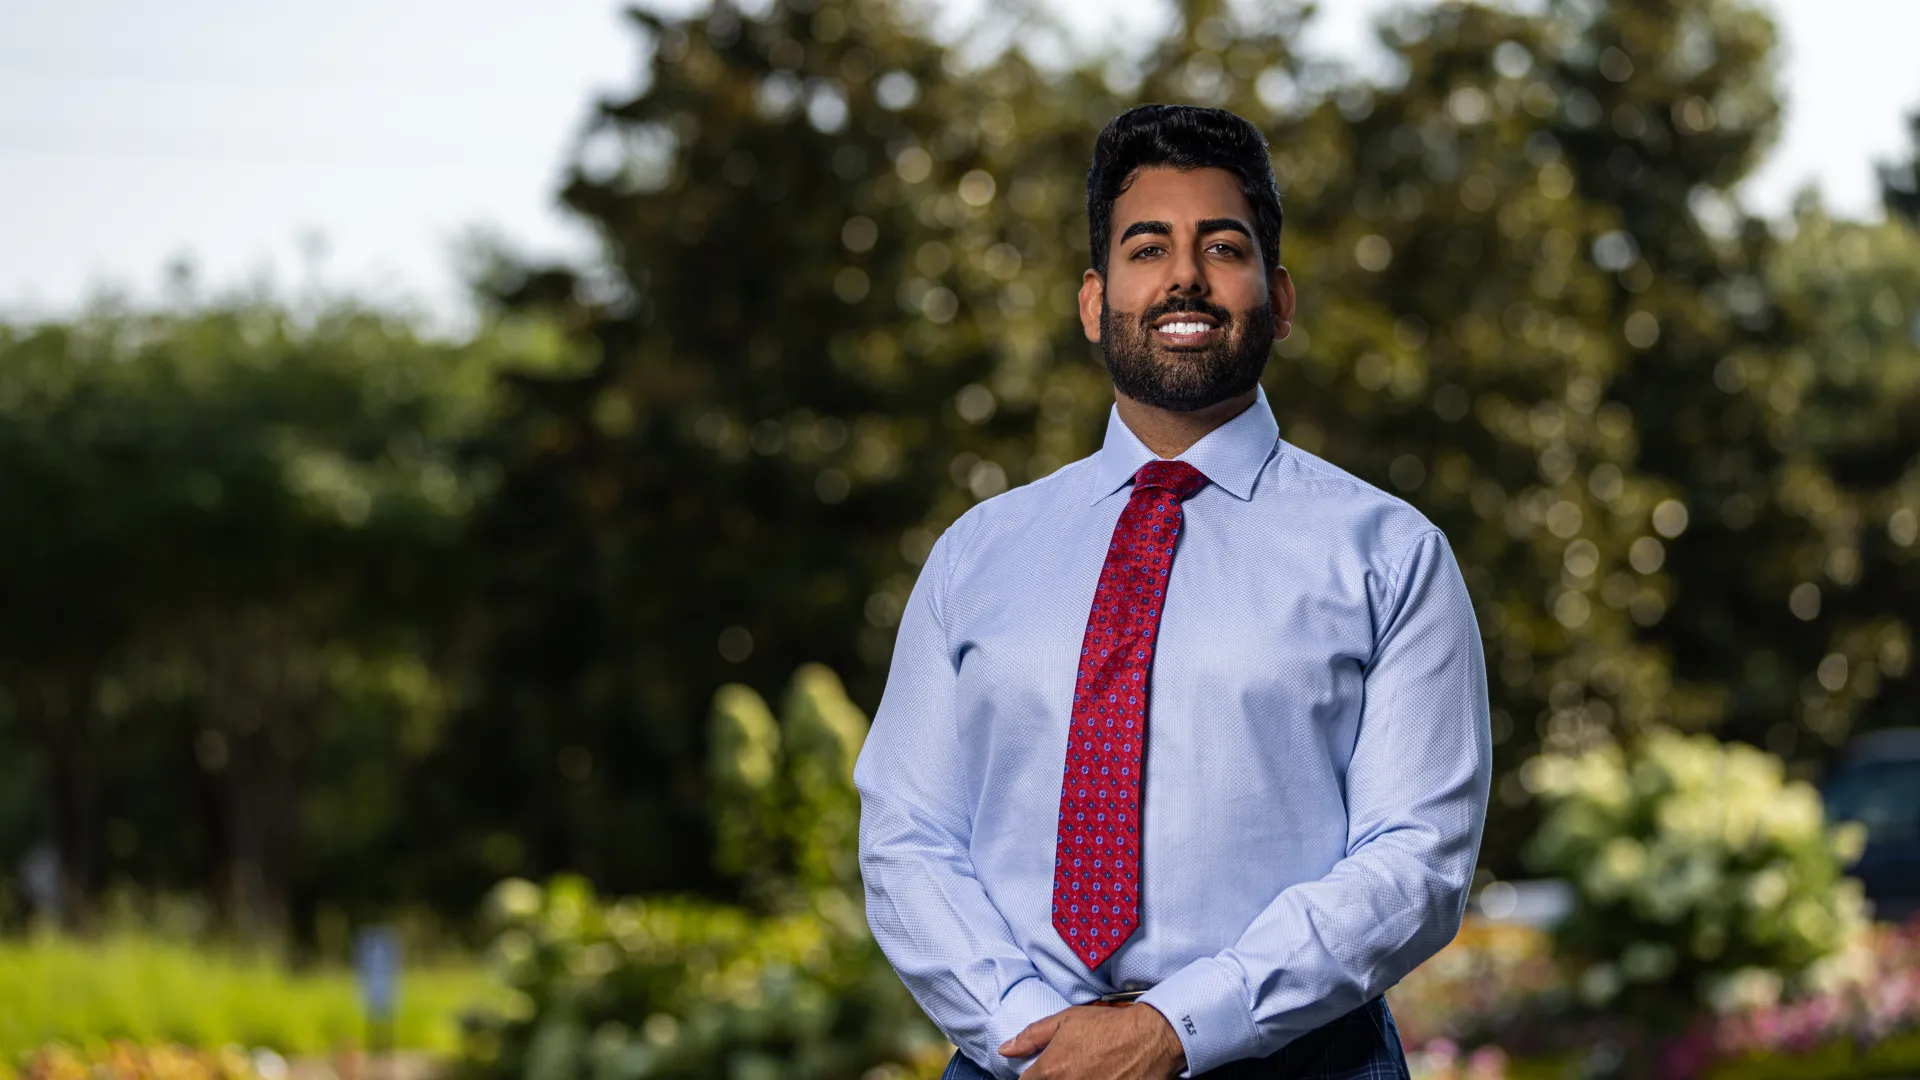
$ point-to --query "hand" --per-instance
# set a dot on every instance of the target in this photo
(1099, 1042)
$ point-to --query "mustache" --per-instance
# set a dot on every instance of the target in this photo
(1189, 305)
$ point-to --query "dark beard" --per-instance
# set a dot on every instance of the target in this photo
(1188, 378)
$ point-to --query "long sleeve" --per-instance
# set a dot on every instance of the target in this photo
(1416, 796)
(927, 908)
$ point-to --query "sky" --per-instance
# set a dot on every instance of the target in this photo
(360, 143)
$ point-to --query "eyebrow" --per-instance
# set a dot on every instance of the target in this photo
(1225, 224)
(1158, 228)
(1209, 225)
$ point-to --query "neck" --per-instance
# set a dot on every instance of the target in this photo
(1169, 433)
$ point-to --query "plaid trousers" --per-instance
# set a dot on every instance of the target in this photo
(1362, 1045)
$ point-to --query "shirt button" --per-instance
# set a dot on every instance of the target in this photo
(1131, 985)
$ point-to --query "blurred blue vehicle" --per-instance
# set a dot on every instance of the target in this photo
(1876, 781)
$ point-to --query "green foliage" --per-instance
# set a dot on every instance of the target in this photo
(669, 986)
(235, 534)
(1843, 403)
(151, 990)
(744, 763)
(823, 732)
(666, 987)
(785, 809)
(1703, 876)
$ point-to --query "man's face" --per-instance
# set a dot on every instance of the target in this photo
(1188, 310)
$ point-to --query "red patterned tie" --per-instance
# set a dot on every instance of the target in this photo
(1096, 866)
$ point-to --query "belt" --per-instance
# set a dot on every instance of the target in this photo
(1119, 999)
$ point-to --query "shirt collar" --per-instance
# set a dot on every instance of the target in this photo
(1230, 455)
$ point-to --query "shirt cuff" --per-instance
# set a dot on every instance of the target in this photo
(1207, 1004)
(1024, 1002)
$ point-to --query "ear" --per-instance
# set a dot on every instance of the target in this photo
(1280, 284)
(1093, 290)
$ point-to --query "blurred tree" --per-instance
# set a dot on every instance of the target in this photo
(223, 517)
(1844, 407)
(1900, 181)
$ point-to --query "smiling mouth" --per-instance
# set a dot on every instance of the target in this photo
(1184, 330)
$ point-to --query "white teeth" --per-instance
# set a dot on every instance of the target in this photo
(1186, 328)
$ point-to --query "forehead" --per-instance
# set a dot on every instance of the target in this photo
(1178, 196)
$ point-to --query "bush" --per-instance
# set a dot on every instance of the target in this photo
(1703, 877)
(1858, 1014)
(788, 985)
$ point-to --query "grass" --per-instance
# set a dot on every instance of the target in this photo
(1894, 1057)
(128, 986)
(1898, 1055)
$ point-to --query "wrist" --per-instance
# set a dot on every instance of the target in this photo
(1171, 1051)
(1208, 1006)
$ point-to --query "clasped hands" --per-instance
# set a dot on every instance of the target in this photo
(1099, 1042)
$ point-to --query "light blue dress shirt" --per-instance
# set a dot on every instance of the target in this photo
(1317, 758)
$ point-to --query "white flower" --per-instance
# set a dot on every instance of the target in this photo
(1848, 840)
(1647, 961)
(1744, 989)
(1766, 889)
(1599, 984)
(1793, 814)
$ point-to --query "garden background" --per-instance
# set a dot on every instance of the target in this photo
(312, 618)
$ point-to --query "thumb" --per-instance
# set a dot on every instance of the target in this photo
(1033, 1038)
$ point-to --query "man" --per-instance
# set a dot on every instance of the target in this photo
(1282, 821)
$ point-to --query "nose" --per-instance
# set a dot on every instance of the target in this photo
(1186, 273)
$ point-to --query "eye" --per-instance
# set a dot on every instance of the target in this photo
(1144, 249)
(1224, 248)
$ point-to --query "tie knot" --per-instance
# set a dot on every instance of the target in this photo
(1182, 479)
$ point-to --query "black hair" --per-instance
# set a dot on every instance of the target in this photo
(1180, 137)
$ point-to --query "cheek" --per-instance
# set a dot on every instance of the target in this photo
(1241, 293)
(1130, 291)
